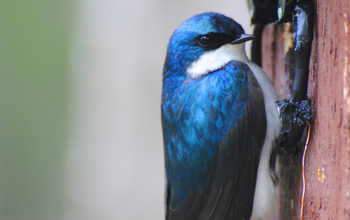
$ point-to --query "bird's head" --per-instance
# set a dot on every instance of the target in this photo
(204, 43)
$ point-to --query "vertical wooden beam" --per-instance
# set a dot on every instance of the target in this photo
(328, 157)
(327, 162)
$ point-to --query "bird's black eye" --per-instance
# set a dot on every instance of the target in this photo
(204, 41)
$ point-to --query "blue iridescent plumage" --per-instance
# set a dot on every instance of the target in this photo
(184, 37)
(201, 112)
(214, 123)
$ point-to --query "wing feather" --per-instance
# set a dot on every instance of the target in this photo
(229, 187)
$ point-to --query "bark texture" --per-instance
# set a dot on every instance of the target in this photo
(327, 161)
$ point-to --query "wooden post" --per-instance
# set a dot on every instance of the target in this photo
(328, 158)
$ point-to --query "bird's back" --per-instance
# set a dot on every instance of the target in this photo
(214, 128)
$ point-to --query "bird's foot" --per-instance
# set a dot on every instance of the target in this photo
(293, 116)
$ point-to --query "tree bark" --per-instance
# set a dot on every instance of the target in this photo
(327, 160)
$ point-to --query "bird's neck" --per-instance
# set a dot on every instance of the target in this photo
(216, 59)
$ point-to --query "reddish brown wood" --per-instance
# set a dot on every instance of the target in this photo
(328, 156)
(327, 162)
(268, 47)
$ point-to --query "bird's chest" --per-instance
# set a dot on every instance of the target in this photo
(198, 110)
(197, 115)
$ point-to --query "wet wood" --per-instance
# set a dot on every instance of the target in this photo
(328, 157)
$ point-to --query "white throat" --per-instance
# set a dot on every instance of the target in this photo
(216, 59)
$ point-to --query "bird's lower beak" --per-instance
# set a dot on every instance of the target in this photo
(243, 38)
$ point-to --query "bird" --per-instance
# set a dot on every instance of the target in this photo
(219, 122)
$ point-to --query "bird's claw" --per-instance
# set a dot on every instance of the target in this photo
(293, 116)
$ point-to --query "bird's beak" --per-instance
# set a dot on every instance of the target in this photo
(243, 38)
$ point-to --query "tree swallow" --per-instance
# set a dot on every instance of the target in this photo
(220, 120)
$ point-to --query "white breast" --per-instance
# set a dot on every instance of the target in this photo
(265, 199)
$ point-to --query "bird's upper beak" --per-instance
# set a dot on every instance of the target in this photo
(243, 38)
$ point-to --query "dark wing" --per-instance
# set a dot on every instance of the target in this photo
(232, 176)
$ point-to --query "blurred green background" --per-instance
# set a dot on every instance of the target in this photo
(34, 98)
(80, 86)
